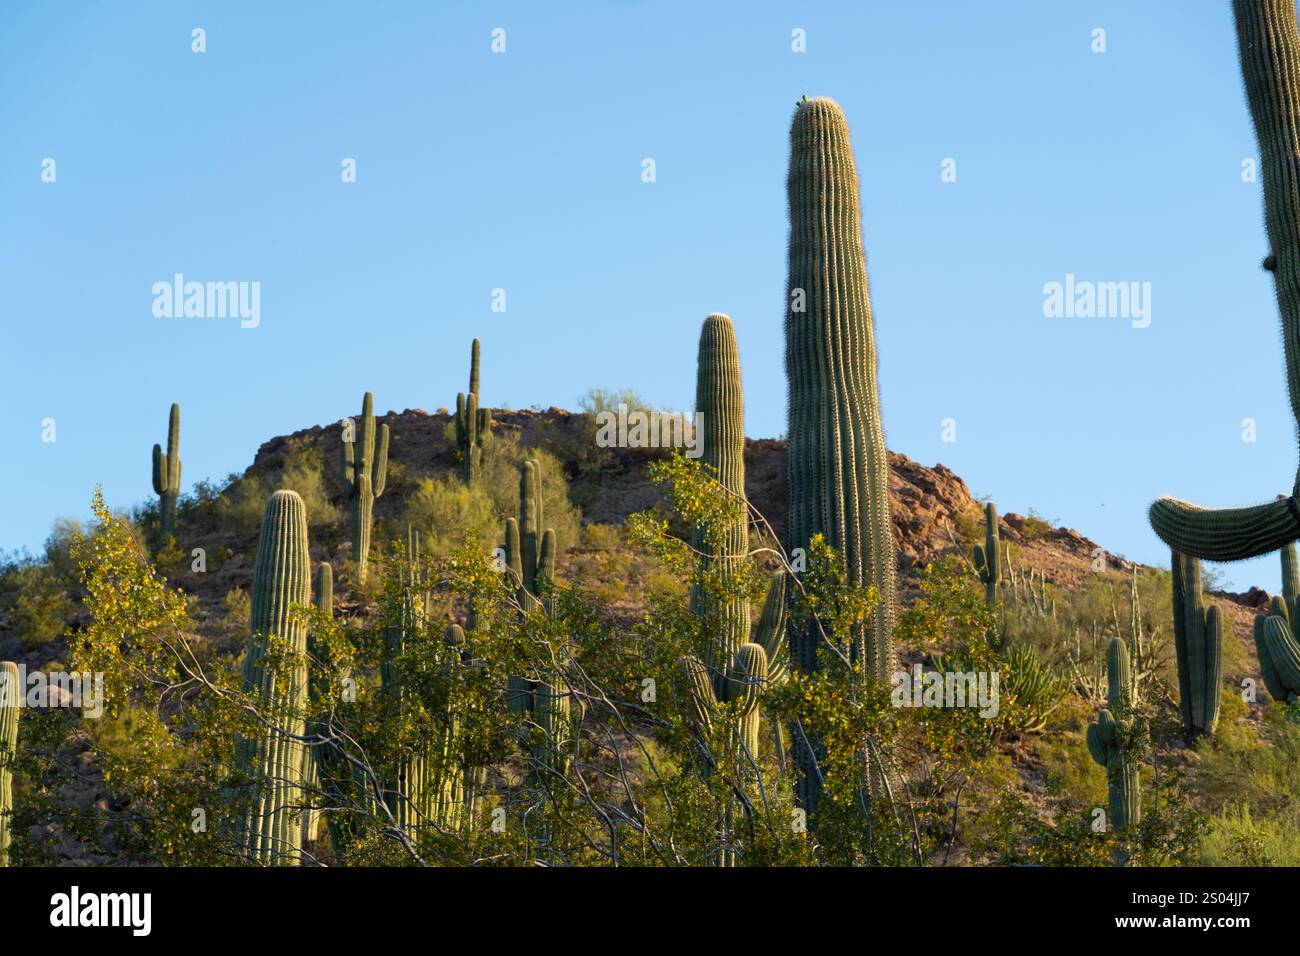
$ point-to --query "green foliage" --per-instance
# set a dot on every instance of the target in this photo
(240, 506)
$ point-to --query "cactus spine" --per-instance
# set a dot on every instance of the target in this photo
(838, 469)
(1279, 653)
(272, 828)
(10, 701)
(1269, 49)
(363, 473)
(167, 477)
(1115, 739)
(988, 560)
(473, 424)
(1198, 643)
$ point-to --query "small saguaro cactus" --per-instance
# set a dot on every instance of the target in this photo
(274, 759)
(988, 561)
(473, 424)
(1198, 643)
(734, 670)
(167, 477)
(530, 553)
(1268, 44)
(10, 701)
(1275, 643)
(363, 473)
(1115, 740)
(322, 600)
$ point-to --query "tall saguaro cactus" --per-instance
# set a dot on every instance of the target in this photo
(167, 476)
(363, 468)
(734, 669)
(10, 707)
(988, 561)
(1198, 643)
(473, 424)
(272, 828)
(1268, 43)
(838, 468)
(1279, 653)
(1116, 739)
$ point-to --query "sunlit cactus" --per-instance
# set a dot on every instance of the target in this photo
(473, 424)
(10, 707)
(838, 465)
(1198, 643)
(1275, 643)
(167, 477)
(363, 470)
(1116, 739)
(988, 560)
(274, 759)
(1268, 44)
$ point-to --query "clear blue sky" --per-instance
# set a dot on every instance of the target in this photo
(523, 171)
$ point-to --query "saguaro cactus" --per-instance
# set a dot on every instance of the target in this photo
(1269, 48)
(1115, 740)
(167, 476)
(838, 469)
(734, 669)
(10, 707)
(530, 560)
(1279, 653)
(272, 831)
(473, 424)
(363, 473)
(988, 560)
(317, 726)
(1198, 643)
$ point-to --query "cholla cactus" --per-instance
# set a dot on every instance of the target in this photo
(473, 424)
(10, 707)
(363, 473)
(167, 477)
(1268, 43)
(1117, 738)
(272, 828)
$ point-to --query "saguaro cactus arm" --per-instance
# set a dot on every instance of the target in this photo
(1198, 644)
(1268, 45)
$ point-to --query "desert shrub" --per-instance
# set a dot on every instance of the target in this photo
(41, 592)
(243, 502)
(447, 514)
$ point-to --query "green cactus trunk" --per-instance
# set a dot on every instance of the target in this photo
(363, 472)
(1268, 45)
(1275, 643)
(1116, 739)
(988, 559)
(167, 477)
(1198, 643)
(473, 424)
(838, 465)
(272, 829)
(315, 758)
(11, 699)
(546, 701)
